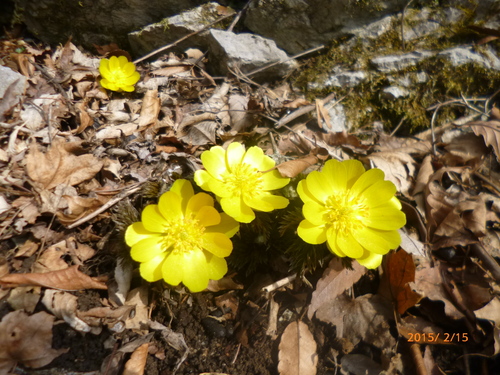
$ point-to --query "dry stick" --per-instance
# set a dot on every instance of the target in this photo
(488, 261)
(402, 24)
(238, 16)
(107, 205)
(416, 354)
(255, 71)
(164, 48)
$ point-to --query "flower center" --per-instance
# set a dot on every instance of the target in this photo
(243, 180)
(184, 235)
(118, 77)
(345, 213)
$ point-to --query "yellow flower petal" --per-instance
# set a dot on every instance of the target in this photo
(379, 193)
(315, 213)
(198, 201)
(227, 225)
(202, 179)
(253, 157)
(354, 169)
(385, 218)
(104, 67)
(276, 201)
(208, 216)
(173, 268)
(335, 175)
(218, 244)
(195, 271)
(113, 63)
(257, 203)
(318, 186)
(305, 194)
(349, 246)
(151, 270)
(272, 180)
(148, 248)
(236, 208)
(170, 205)
(122, 61)
(331, 240)
(366, 180)
(129, 69)
(216, 267)
(213, 162)
(311, 233)
(184, 190)
(234, 155)
(219, 188)
(377, 241)
(153, 219)
(370, 260)
(136, 232)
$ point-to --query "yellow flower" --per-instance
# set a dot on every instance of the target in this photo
(118, 74)
(353, 210)
(241, 180)
(182, 239)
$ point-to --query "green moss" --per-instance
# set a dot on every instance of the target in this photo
(366, 103)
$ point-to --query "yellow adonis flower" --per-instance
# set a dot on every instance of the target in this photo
(353, 210)
(241, 180)
(118, 74)
(182, 239)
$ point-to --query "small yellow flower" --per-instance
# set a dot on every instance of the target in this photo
(182, 239)
(118, 74)
(353, 210)
(241, 180)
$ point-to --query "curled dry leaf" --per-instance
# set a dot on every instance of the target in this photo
(293, 168)
(490, 131)
(399, 168)
(64, 306)
(137, 362)
(336, 279)
(297, 351)
(68, 279)
(60, 164)
(399, 272)
(150, 109)
(26, 340)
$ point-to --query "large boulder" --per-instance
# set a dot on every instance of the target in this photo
(95, 21)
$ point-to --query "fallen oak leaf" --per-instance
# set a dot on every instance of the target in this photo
(297, 351)
(26, 340)
(67, 279)
(137, 362)
(61, 164)
(490, 131)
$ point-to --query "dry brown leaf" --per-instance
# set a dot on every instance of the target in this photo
(150, 109)
(79, 207)
(398, 166)
(336, 279)
(24, 298)
(170, 71)
(410, 325)
(26, 340)
(297, 351)
(137, 362)
(490, 131)
(293, 168)
(365, 318)
(240, 119)
(60, 164)
(64, 306)
(399, 271)
(68, 279)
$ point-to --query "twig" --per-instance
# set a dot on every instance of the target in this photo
(489, 262)
(104, 207)
(238, 16)
(164, 48)
(402, 24)
(258, 70)
(416, 354)
(278, 284)
(433, 135)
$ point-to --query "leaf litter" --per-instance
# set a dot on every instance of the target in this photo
(72, 149)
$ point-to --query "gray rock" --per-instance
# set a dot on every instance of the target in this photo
(12, 86)
(340, 79)
(95, 22)
(173, 28)
(297, 25)
(248, 52)
(338, 119)
(465, 55)
(395, 92)
(394, 63)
